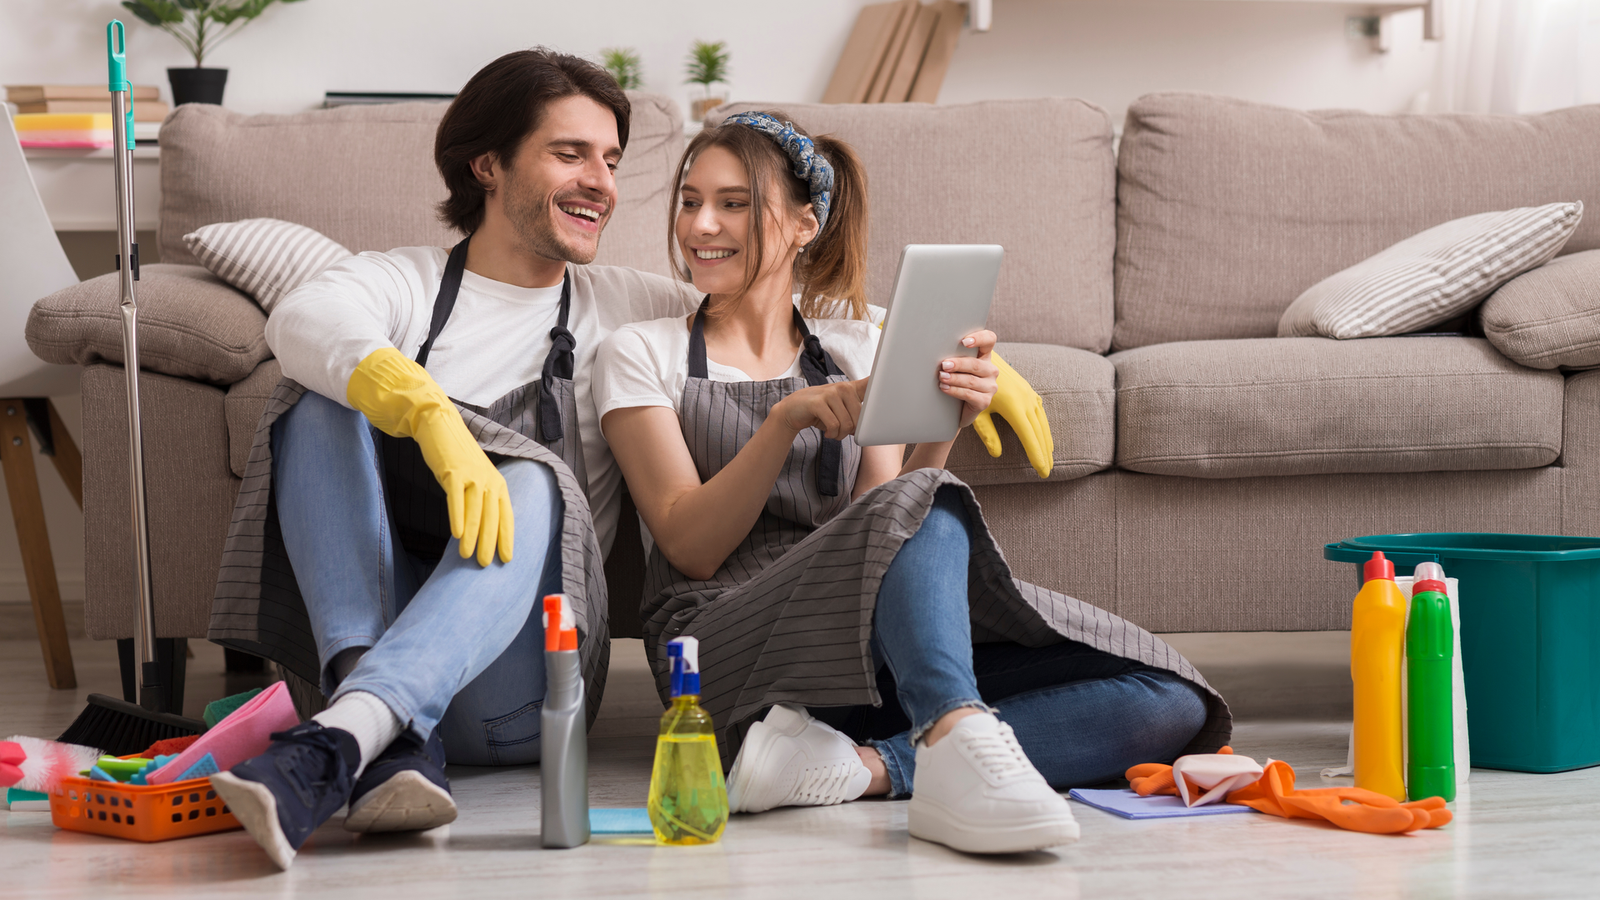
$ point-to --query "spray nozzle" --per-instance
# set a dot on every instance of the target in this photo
(1429, 576)
(560, 627)
(683, 655)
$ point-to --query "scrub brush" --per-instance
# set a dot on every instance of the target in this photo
(35, 764)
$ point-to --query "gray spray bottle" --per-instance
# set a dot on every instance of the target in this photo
(563, 742)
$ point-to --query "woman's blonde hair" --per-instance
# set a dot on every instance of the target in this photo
(830, 275)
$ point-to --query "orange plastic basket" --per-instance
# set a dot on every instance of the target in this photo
(147, 813)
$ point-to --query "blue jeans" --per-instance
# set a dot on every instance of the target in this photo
(451, 645)
(1082, 715)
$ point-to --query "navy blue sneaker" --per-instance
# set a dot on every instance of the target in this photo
(284, 794)
(404, 789)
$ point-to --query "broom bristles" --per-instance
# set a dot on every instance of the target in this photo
(123, 728)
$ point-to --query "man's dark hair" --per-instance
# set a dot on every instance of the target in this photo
(500, 107)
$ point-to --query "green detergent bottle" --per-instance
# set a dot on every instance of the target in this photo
(1430, 648)
(688, 798)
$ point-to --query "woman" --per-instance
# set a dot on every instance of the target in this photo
(821, 576)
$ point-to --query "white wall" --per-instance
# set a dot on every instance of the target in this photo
(1108, 51)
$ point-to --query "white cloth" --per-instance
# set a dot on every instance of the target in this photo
(495, 341)
(647, 364)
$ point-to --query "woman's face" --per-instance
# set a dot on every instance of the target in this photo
(715, 221)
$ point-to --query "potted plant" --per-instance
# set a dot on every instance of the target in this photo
(199, 25)
(625, 66)
(708, 65)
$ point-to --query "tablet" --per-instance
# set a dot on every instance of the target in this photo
(941, 295)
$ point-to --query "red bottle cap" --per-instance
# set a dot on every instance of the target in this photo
(1429, 576)
(1377, 567)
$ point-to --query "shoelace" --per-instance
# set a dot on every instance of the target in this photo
(998, 753)
(823, 785)
(309, 762)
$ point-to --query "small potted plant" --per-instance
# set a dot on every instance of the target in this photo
(199, 25)
(625, 66)
(708, 66)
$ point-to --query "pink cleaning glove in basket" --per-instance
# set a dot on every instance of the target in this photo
(246, 732)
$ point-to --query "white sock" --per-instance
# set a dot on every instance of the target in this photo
(370, 720)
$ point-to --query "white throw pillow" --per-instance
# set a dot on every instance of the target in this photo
(1433, 276)
(265, 258)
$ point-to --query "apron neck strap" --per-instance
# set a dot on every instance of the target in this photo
(445, 302)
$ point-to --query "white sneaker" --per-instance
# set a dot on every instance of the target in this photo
(977, 792)
(791, 759)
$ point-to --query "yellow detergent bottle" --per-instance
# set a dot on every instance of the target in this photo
(1377, 636)
(688, 798)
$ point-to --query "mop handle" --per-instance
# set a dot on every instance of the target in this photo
(151, 695)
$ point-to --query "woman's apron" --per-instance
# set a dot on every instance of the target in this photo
(788, 616)
(258, 606)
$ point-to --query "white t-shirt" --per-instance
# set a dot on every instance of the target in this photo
(647, 363)
(495, 341)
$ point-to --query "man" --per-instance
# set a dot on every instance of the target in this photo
(419, 556)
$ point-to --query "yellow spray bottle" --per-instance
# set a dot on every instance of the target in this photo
(688, 798)
(1377, 636)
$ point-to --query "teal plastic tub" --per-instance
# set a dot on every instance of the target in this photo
(1530, 639)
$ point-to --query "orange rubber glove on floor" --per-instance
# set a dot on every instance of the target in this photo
(1353, 809)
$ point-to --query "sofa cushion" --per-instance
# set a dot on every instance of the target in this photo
(1311, 406)
(1079, 393)
(265, 258)
(1432, 277)
(1550, 316)
(191, 324)
(364, 176)
(1228, 210)
(242, 410)
(1035, 176)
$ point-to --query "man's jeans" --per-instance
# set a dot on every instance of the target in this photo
(452, 645)
(1083, 716)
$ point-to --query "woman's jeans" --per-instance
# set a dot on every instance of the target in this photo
(450, 645)
(1083, 716)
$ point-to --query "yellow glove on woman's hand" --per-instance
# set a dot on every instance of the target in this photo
(1019, 404)
(403, 400)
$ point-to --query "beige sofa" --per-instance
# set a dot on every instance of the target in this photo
(1199, 468)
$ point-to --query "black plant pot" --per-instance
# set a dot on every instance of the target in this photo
(196, 85)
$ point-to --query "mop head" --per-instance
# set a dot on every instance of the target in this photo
(35, 764)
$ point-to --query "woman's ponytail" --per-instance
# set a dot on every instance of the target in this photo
(833, 268)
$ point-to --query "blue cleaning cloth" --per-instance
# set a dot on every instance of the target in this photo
(619, 821)
(204, 766)
(1129, 805)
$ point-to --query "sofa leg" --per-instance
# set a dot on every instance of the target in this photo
(172, 656)
(27, 510)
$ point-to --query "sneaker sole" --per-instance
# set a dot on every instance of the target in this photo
(932, 823)
(406, 802)
(257, 810)
(757, 742)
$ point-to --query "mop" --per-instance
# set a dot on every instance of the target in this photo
(115, 725)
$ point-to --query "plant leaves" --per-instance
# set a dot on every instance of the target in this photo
(142, 11)
(166, 12)
(245, 11)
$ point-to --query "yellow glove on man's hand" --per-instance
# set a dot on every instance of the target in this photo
(403, 400)
(1019, 404)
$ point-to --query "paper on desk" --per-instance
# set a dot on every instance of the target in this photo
(1127, 804)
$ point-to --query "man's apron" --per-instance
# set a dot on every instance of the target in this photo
(788, 616)
(258, 606)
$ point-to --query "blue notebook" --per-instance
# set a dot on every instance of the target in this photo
(1129, 805)
(619, 821)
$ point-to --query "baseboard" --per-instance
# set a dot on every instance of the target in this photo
(16, 620)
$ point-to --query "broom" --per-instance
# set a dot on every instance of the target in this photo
(115, 725)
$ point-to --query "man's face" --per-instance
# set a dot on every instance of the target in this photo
(559, 189)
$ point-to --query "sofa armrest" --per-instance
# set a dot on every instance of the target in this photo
(1079, 392)
(191, 325)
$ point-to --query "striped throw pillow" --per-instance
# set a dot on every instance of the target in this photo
(1433, 276)
(265, 258)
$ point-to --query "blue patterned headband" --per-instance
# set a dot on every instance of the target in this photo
(808, 165)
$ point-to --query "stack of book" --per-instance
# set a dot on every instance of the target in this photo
(84, 98)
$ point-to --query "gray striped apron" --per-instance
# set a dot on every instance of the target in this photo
(788, 616)
(258, 606)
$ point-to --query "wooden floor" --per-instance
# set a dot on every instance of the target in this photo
(1515, 835)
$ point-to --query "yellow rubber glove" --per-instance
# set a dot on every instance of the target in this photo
(403, 400)
(1019, 404)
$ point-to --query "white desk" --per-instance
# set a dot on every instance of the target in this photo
(79, 190)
